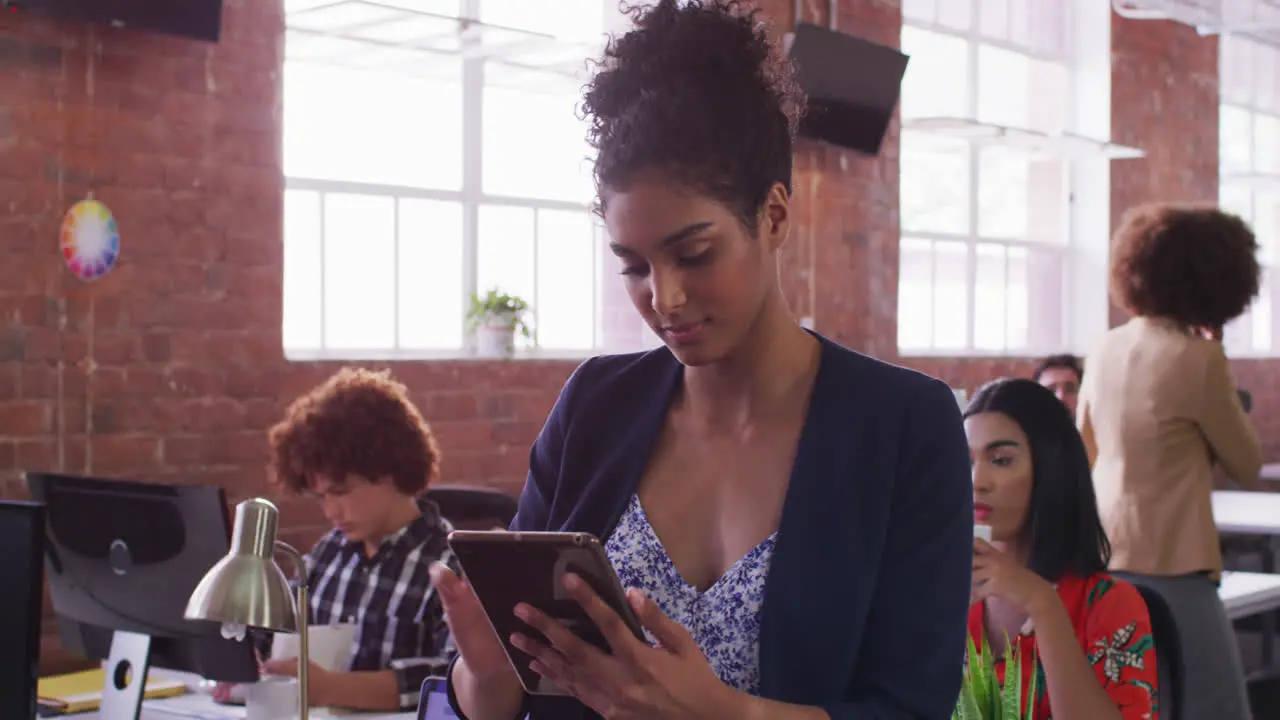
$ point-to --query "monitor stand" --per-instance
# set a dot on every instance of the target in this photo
(127, 666)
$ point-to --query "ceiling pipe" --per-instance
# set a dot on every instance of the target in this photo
(1125, 10)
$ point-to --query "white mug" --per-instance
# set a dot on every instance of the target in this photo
(272, 698)
(329, 646)
(982, 531)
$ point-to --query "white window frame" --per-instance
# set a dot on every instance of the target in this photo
(471, 197)
(1256, 182)
(1087, 184)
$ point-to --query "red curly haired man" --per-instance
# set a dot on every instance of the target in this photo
(360, 448)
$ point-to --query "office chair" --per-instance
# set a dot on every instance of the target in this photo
(1164, 631)
(473, 508)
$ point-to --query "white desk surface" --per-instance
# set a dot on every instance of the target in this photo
(199, 706)
(1245, 593)
(1243, 512)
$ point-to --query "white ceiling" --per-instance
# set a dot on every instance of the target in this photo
(427, 37)
(1256, 19)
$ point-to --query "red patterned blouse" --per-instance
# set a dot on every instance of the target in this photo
(1111, 621)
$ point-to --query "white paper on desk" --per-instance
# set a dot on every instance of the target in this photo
(330, 646)
(193, 706)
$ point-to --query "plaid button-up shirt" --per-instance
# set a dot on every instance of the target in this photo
(389, 597)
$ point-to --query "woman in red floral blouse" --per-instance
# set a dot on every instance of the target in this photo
(1042, 582)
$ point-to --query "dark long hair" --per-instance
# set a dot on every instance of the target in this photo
(1062, 532)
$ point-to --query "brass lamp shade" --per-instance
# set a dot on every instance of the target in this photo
(247, 587)
(244, 590)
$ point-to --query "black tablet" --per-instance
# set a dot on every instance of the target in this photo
(508, 568)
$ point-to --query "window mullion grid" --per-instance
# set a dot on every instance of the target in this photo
(597, 305)
(395, 273)
(1071, 174)
(971, 297)
(933, 294)
(472, 163)
(537, 274)
(1008, 306)
(1254, 168)
(975, 177)
(472, 117)
(322, 196)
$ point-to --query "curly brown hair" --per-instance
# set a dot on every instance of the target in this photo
(1193, 264)
(696, 91)
(358, 422)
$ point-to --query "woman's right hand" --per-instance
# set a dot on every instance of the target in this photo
(474, 637)
(483, 680)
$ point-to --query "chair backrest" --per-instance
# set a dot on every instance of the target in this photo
(1164, 631)
(473, 508)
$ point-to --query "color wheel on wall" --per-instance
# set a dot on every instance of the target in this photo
(90, 240)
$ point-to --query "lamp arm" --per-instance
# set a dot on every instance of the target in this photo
(295, 557)
(303, 612)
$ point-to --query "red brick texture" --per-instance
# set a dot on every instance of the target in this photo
(170, 368)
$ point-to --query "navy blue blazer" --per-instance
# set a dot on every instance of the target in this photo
(867, 598)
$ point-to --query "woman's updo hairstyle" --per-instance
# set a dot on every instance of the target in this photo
(699, 93)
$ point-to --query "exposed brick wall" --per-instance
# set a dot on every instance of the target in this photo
(157, 369)
(1158, 68)
(171, 367)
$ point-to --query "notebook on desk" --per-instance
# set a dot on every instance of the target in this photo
(81, 691)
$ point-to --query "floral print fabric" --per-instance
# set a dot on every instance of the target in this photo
(1111, 621)
(724, 619)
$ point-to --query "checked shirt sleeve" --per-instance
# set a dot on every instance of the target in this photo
(437, 647)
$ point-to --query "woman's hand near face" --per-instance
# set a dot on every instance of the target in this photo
(483, 681)
(998, 574)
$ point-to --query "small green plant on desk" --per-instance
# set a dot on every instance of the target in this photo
(982, 698)
(494, 318)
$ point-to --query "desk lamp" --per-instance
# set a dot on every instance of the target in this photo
(247, 588)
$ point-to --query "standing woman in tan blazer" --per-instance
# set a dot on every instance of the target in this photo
(1157, 410)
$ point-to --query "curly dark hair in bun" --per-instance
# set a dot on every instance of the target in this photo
(1195, 265)
(698, 92)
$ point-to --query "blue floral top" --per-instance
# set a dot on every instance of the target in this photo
(724, 619)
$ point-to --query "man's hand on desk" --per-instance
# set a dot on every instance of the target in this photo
(229, 693)
(319, 680)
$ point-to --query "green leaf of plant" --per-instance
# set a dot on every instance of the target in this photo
(967, 708)
(983, 697)
(993, 680)
(1011, 696)
(1033, 688)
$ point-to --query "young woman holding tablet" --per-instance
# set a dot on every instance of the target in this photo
(794, 519)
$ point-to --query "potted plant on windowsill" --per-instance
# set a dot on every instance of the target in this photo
(494, 318)
(981, 695)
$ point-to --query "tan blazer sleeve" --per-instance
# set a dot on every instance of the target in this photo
(1085, 423)
(1225, 425)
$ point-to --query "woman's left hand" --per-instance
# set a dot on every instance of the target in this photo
(999, 574)
(636, 680)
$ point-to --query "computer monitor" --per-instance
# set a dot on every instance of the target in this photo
(122, 559)
(22, 546)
